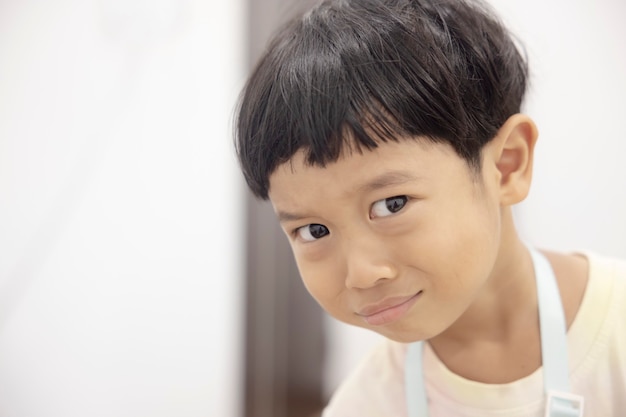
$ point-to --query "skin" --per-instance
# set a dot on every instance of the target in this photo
(407, 241)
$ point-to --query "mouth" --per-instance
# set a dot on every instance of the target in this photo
(388, 310)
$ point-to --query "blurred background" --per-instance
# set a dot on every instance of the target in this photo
(137, 275)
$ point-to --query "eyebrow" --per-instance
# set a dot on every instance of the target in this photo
(382, 181)
(284, 216)
(387, 179)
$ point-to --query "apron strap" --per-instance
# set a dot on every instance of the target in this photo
(553, 329)
(414, 386)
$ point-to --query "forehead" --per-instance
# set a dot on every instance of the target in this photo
(355, 172)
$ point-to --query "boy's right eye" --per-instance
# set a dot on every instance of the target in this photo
(312, 232)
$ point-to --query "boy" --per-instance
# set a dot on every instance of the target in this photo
(388, 136)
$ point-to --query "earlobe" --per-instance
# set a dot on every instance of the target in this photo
(514, 148)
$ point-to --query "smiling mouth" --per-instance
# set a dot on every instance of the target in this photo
(389, 310)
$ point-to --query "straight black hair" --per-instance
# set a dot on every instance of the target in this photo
(349, 74)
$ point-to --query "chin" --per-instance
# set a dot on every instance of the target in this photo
(403, 336)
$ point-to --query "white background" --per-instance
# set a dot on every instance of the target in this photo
(120, 208)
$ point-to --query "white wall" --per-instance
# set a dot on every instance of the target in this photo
(120, 208)
(577, 52)
(577, 55)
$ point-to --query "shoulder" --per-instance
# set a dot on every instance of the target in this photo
(599, 327)
(604, 300)
(598, 337)
(589, 282)
(607, 277)
(375, 387)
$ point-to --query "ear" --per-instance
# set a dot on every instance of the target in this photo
(511, 151)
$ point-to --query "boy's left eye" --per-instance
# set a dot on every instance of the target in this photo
(388, 206)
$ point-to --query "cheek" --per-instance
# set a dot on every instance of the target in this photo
(475, 247)
(455, 242)
(322, 280)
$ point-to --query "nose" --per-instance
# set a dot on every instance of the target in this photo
(367, 263)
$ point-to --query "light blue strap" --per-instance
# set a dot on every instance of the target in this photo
(553, 328)
(415, 388)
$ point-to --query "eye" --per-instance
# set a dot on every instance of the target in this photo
(388, 206)
(312, 232)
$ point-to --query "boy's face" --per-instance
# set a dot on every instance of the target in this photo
(398, 240)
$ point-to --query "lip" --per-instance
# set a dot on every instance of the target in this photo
(388, 310)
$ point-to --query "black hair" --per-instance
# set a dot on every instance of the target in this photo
(353, 73)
